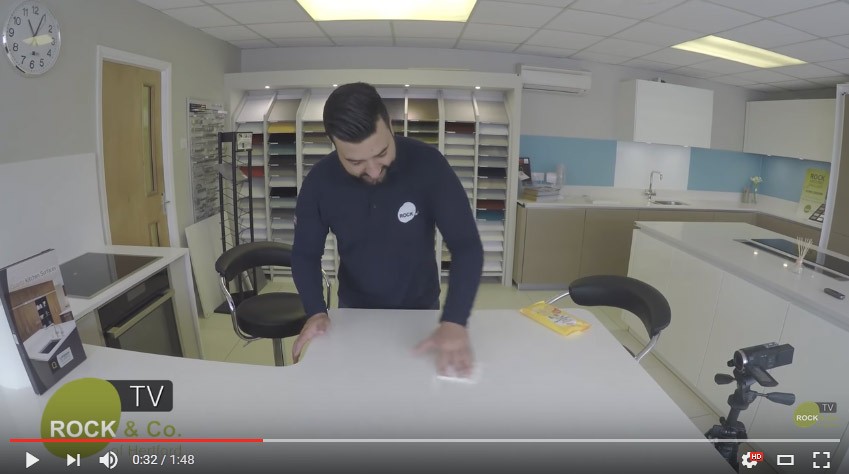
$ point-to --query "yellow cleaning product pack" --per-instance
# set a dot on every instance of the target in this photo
(554, 318)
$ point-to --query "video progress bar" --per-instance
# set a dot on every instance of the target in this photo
(420, 440)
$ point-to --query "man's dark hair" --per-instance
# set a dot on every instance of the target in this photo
(351, 112)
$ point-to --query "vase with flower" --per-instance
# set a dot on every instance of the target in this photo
(756, 180)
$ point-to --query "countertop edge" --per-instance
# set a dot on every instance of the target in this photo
(743, 272)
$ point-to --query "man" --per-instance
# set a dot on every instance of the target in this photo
(383, 196)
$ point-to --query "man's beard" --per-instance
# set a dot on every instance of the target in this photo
(368, 180)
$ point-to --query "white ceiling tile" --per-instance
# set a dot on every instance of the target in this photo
(804, 71)
(765, 75)
(768, 8)
(515, 14)
(830, 81)
(550, 3)
(363, 40)
(796, 84)
(265, 12)
(499, 33)
(357, 28)
(655, 33)
(639, 9)
(844, 40)
(701, 16)
(427, 29)
(824, 20)
(765, 88)
(322, 41)
(200, 17)
(163, 4)
(425, 42)
(545, 51)
(231, 33)
(589, 23)
(619, 47)
(563, 39)
(723, 66)
(486, 46)
(767, 34)
(693, 72)
(302, 29)
(649, 65)
(839, 66)
(253, 44)
(601, 57)
(814, 51)
(676, 57)
(733, 80)
(216, 2)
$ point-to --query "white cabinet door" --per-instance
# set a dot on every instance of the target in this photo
(745, 316)
(655, 112)
(692, 292)
(817, 374)
(649, 262)
(801, 128)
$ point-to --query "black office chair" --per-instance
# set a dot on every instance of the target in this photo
(273, 315)
(627, 293)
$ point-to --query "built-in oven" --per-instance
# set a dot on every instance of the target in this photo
(142, 319)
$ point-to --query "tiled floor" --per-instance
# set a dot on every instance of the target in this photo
(221, 343)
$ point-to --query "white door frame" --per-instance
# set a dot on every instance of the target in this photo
(164, 68)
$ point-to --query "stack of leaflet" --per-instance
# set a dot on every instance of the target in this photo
(541, 193)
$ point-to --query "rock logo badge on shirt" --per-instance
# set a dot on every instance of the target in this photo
(407, 212)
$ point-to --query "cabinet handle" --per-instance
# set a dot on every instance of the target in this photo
(117, 331)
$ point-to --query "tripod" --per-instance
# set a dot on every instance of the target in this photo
(730, 427)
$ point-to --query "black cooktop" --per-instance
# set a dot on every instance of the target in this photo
(91, 273)
(823, 260)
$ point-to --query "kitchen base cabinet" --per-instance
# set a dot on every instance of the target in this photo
(675, 215)
(745, 316)
(607, 241)
(731, 216)
(548, 247)
(789, 228)
(816, 344)
(88, 325)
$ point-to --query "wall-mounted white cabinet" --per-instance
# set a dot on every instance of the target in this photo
(801, 128)
(655, 112)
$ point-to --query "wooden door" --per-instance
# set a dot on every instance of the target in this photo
(132, 155)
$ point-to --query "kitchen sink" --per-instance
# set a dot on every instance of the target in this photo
(670, 203)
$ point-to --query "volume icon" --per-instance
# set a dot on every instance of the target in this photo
(110, 460)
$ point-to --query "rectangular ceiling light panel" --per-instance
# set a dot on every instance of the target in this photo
(432, 10)
(736, 51)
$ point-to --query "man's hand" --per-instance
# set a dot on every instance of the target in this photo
(316, 325)
(453, 350)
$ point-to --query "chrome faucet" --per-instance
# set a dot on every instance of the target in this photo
(650, 191)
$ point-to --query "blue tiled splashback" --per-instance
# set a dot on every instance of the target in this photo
(591, 162)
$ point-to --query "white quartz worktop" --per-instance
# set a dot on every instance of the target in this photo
(167, 255)
(713, 242)
(611, 198)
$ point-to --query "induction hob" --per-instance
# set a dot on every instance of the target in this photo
(91, 273)
(829, 265)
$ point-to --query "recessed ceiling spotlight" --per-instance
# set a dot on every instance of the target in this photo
(268, 87)
(406, 85)
(335, 85)
(477, 87)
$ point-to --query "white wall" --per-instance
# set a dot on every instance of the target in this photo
(54, 115)
(590, 116)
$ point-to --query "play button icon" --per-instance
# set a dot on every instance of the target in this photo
(31, 460)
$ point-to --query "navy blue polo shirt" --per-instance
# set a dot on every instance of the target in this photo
(385, 234)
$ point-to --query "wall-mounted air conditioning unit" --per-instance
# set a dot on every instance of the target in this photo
(555, 80)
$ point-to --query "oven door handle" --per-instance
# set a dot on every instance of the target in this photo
(117, 331)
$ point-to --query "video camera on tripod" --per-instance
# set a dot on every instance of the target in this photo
(750, 366)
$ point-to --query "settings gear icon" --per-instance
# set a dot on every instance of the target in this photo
(747, 460)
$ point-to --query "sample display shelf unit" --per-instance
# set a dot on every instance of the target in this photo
(472, 128)
(289, 132)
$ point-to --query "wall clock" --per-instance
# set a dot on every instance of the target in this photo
(31, 38)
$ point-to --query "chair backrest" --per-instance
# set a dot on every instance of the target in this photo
(626, 293)
(251, 255)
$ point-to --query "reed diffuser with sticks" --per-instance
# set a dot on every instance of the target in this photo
(803, 245)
